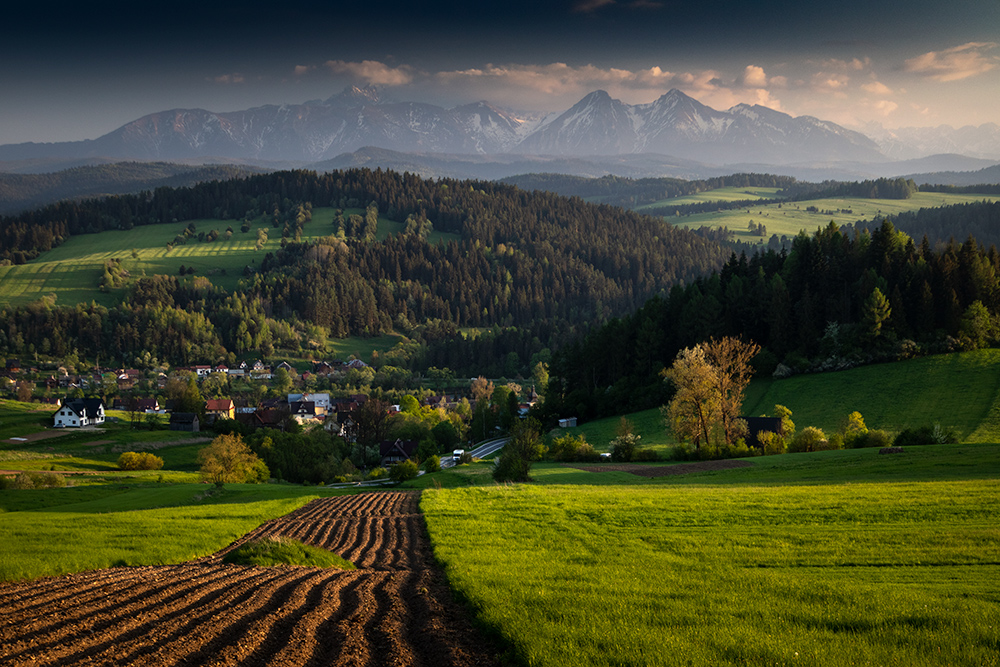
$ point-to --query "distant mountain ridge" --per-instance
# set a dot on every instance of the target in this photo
(599, 125)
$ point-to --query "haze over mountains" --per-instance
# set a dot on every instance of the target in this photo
(674, 135)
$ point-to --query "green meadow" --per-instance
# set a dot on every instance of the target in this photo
(960, 392)
(850, 559)
(788, 218)
(73, 270)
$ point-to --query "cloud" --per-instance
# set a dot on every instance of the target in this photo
(852, 65)
(885, 107)
(954, 64)
(711, 87)
(828, 82)
(588, 6)
(235, 77)
(372, 72)
(753, 77)
(302, 69)
(877, 88)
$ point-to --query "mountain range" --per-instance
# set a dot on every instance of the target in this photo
(675, 125)
(675, 135)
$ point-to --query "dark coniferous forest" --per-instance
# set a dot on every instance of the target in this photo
(533, 269)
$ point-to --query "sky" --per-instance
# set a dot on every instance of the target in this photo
(80, 72)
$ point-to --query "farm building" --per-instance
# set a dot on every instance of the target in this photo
(184, 421)
(79, 412)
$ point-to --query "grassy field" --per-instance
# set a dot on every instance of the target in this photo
(791, 217)
(51, 532)
(822, 559)
(73, 270)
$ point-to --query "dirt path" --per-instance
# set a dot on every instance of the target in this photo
(396, 609)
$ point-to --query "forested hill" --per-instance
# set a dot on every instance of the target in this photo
(833, 301)
(537, 263)
(632, 192)
(21, 192)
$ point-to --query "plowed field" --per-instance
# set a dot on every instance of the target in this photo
(395, 609)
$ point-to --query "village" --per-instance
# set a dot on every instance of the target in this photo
(330, 396)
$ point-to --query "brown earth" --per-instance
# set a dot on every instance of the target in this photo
(663, 471)
(395, 609)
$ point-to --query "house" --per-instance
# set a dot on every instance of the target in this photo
(302, 411)
(285, 366)
(184, 421)
(79, 412)
(220, 408)
(396, 451)
(322, 401)
(263, 417)
(13, 366)
(568, 422)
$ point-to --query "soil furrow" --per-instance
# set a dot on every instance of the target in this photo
(119, 600)
(184, 634)
(109, 637)
(349, 645)
(248, 627)
(293, 639)
(388, 627)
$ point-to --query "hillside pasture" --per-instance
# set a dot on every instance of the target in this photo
(961, 392)
(789, 218)
(72, 271)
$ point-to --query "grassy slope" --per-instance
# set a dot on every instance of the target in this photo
(73, 270)
(793, 217)
(819, 559)
(958, 391)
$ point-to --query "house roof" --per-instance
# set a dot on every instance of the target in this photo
(80, 405)
(219, 404)
(405, 447)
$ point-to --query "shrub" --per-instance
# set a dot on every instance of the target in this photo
(737, 450)
(466, 457)
(645, 455)
(228, 460)
(809, 439)
(924, 435)
(403, 471)
(139, 461)
(587, 454)
(32, 480)
(874, 438)
(378, 473)
(772, 443)
(432, 464)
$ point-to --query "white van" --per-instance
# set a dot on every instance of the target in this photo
(457, 454)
